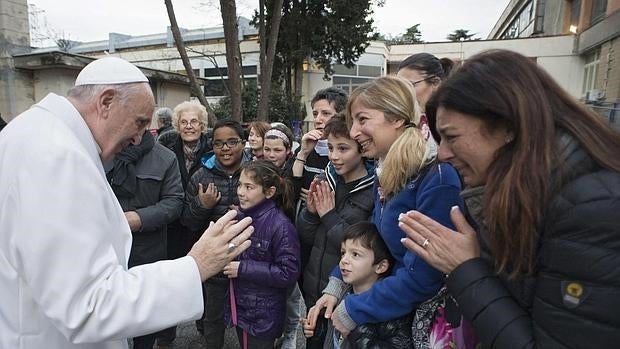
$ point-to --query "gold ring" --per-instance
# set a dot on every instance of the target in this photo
(231, 247)
(425, 243)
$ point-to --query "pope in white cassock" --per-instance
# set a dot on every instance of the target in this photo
(64, 239)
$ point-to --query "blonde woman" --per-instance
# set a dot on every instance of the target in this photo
(384, 115)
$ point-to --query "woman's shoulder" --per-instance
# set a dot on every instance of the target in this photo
(438, 174)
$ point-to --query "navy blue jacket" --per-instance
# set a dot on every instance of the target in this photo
(433, 193)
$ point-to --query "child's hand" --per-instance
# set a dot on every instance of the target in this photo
(308, 328)
(210, 196)
(324, 198)
(310, 201)
(232, 269)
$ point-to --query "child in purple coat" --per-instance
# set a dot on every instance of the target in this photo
(259, 279)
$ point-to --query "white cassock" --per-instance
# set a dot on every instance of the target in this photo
(64, 245)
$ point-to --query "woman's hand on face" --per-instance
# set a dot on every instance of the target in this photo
(441, 247)
(309, 140)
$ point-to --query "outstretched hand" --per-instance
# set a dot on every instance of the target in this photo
(222, 242)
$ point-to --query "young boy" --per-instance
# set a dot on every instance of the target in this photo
(365, 259)
(342, 198)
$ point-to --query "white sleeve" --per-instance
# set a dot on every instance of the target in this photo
(70, 246)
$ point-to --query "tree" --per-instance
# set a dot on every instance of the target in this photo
(233, 56)
(178, 40)
(280, 109)
(320, 32)
(268, 37)
(413, 35)
(460, 35)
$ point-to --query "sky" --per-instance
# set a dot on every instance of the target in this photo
(81, 20)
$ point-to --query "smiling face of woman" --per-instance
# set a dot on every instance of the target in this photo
(468, 144)
(373, 131)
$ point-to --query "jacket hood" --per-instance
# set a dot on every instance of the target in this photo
(335, 179)
(209, 161)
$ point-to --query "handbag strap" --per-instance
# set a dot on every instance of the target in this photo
(233, 311)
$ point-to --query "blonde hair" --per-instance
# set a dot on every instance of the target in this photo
(186, 106)
(396, 98)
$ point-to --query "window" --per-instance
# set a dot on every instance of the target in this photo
(349, 79)
(519, 26)
(575, 10)
(599, 7)
(218, 77)
(590, 70)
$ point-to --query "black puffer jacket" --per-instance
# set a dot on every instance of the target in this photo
(393, 334)
(573, 299)
(325, 233)
(195, 216)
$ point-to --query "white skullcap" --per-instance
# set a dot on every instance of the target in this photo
(109, 71)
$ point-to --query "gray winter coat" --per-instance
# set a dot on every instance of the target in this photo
(158, 201)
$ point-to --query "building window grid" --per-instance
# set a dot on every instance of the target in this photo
(590, 71)
(521, 22)
(215, 84)
(349, 79)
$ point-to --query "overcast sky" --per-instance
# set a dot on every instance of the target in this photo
(88, 21)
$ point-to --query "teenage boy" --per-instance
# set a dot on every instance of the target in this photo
(343, 198)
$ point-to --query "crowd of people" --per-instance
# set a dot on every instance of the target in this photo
(442, 207)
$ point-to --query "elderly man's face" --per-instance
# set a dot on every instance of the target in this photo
(127, 121)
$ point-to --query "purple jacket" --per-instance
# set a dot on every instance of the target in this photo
(267, 268)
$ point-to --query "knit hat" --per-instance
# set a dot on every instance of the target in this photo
(109, 71)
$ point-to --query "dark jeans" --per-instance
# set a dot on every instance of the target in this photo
(214, 293)
(254, 342)
(167, 336)
(144, 342)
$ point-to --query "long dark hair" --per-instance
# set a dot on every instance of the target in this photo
(506, 89)
(265, 174)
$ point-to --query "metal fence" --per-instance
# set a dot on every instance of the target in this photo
(609, 111)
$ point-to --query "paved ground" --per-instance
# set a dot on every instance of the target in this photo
(189, 338)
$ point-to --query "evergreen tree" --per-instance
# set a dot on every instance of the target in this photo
(460, 35)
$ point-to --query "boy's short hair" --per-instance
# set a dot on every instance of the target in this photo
(235, 125)
(333, 95)
(337, 127)
(368, 236)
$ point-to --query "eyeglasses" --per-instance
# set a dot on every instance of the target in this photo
(421, 80)
(192, 122)
(231, 143)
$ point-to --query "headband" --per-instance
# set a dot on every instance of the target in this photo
(278, 134)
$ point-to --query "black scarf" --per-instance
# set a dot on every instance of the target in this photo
(122, 177)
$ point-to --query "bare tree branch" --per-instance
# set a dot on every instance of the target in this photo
(178, 40)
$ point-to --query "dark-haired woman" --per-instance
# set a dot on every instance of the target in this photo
(535, 264)
(425, 72)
